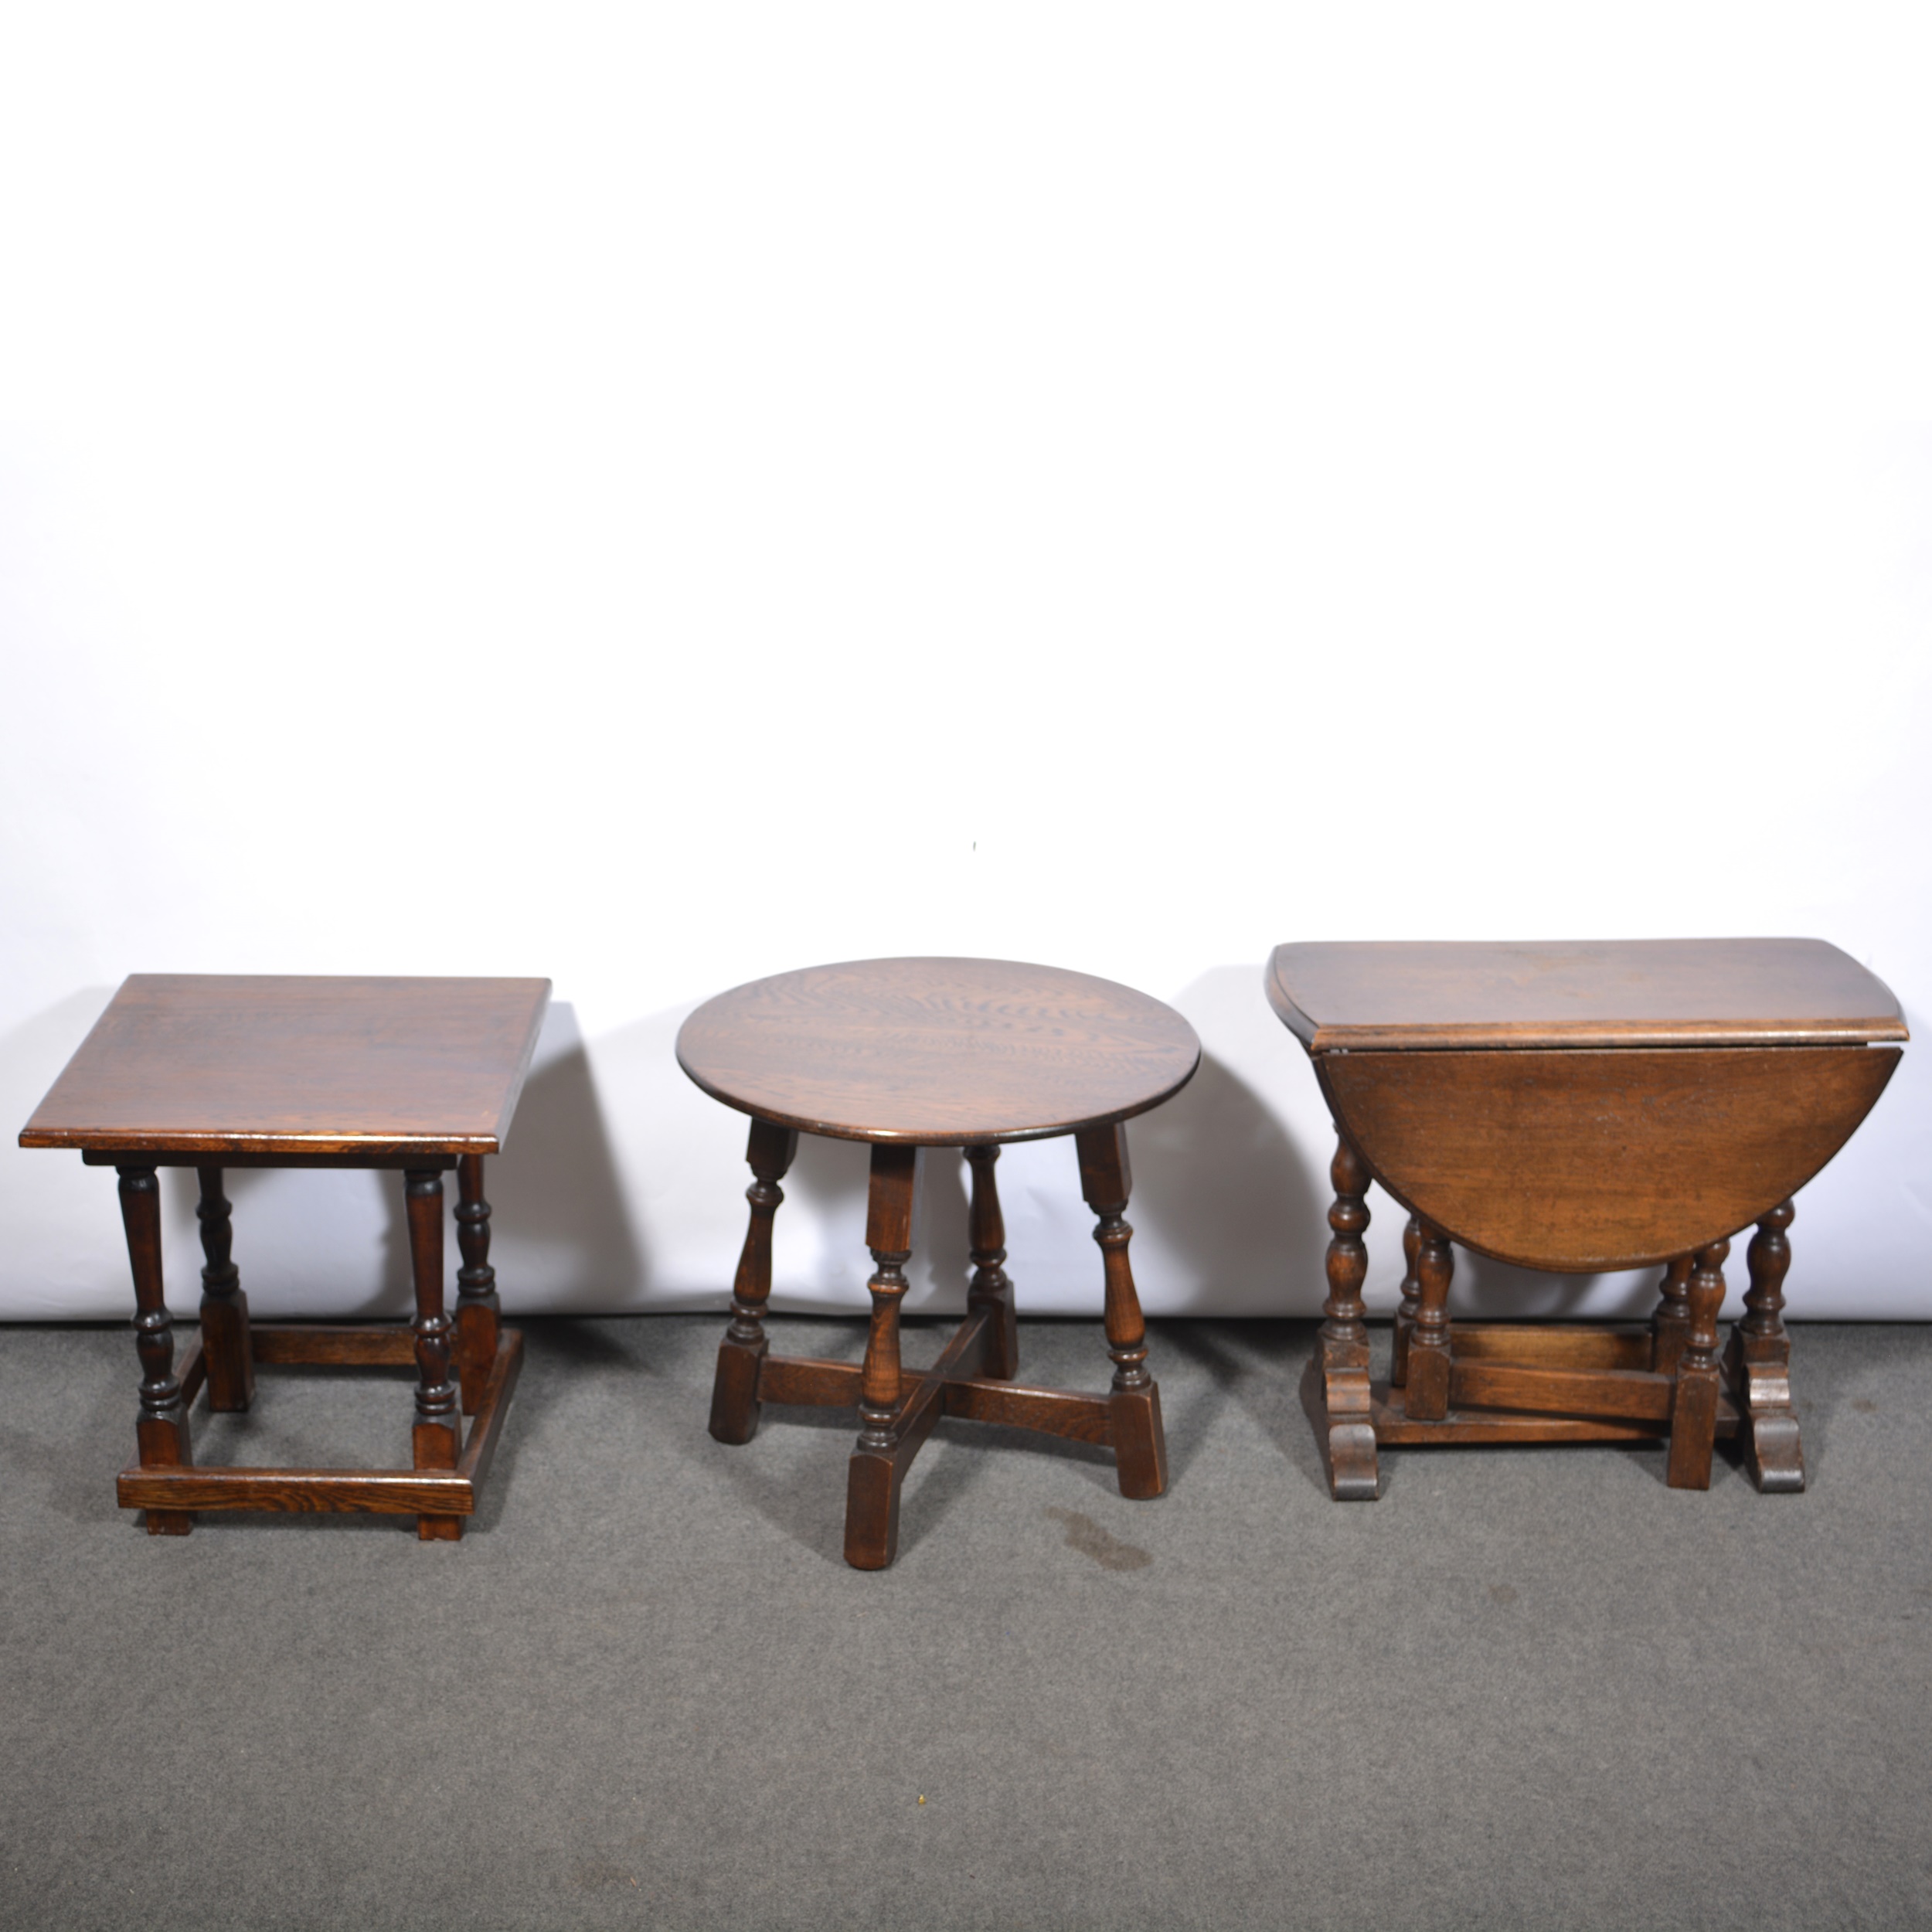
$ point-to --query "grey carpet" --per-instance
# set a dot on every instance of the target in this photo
(1527, 1688)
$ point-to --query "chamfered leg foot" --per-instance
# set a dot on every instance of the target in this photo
(1344, 1415)
(1140, 1447)
(872, 1508)
(734, 1390)
(1758, 1363)
(741, 1354)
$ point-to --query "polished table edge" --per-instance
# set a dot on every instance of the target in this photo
(442, 1153)
(472, 1143)
(1602, 1036)
(950, 1136)
(1844, 1030)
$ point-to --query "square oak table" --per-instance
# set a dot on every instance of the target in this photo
(211, 1072)
(1579, 1107)
(909, 1054)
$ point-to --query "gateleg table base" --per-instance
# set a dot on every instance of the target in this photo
(1545, 1383)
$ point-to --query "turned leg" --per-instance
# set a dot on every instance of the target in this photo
(438, 1432)
(161, 1429)
(872, 1475)
(990, 1291)
(1411, 1300)
(224, 1309)
(1346, 1423)
(479, 1312)
(1693, 1415)
(1133, 1409)
(1670, 1323)
(1760, 1361)
(734, 1388)
(1428, 1385)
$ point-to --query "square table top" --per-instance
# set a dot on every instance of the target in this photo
(219, 1063)
(1394, 996)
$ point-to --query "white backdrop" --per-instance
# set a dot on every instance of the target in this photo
(655, 496)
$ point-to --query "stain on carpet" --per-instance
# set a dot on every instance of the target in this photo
(1085, 1536)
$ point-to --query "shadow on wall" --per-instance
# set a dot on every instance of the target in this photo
(829, 1180)
(563, 1237)
(1500, 1290)
(1220, 1189)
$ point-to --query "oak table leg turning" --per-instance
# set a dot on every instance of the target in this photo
(417, 1077)
(1579, 1108)
(910, 1055)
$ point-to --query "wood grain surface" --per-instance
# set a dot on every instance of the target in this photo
(949, 1053)
(1654, 992)
(1583, 1160)
(221, 1064)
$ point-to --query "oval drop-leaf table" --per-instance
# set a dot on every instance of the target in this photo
(1579, 1107)
(909, 1054)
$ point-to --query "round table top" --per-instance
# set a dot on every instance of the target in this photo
(937, 1053)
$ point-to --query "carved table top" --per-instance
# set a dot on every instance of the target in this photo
(942, 1053)
(217, 1064)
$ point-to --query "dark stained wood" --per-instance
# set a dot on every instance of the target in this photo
(990, 1291)
(1411, 995)
(909, 1054)
(479, 1309)
(224, 1309)
(1581, 1107)
(369, 1492)
(320, 1345)
(1140, 1446)
(1427, 1381)
(1556, 1344)
(948, 1053)
(437, 1436)
(1405, 1319)
(440, 1496)
(1052, 1412)
(1759, 1361)
(888, 1234)
(809, 1382)
(1346, 1432)
(213, 1071)
(161, 1426)
(1694, 1408)
(878, 1465)
(1499, 1428)
(215, 1063)
(734, 1388)
(1670, 1323)
(358, 1159)
(1587, 1160)
(1610, 1393)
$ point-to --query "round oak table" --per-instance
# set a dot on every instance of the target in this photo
(909, 1054)
(1578, 1107)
